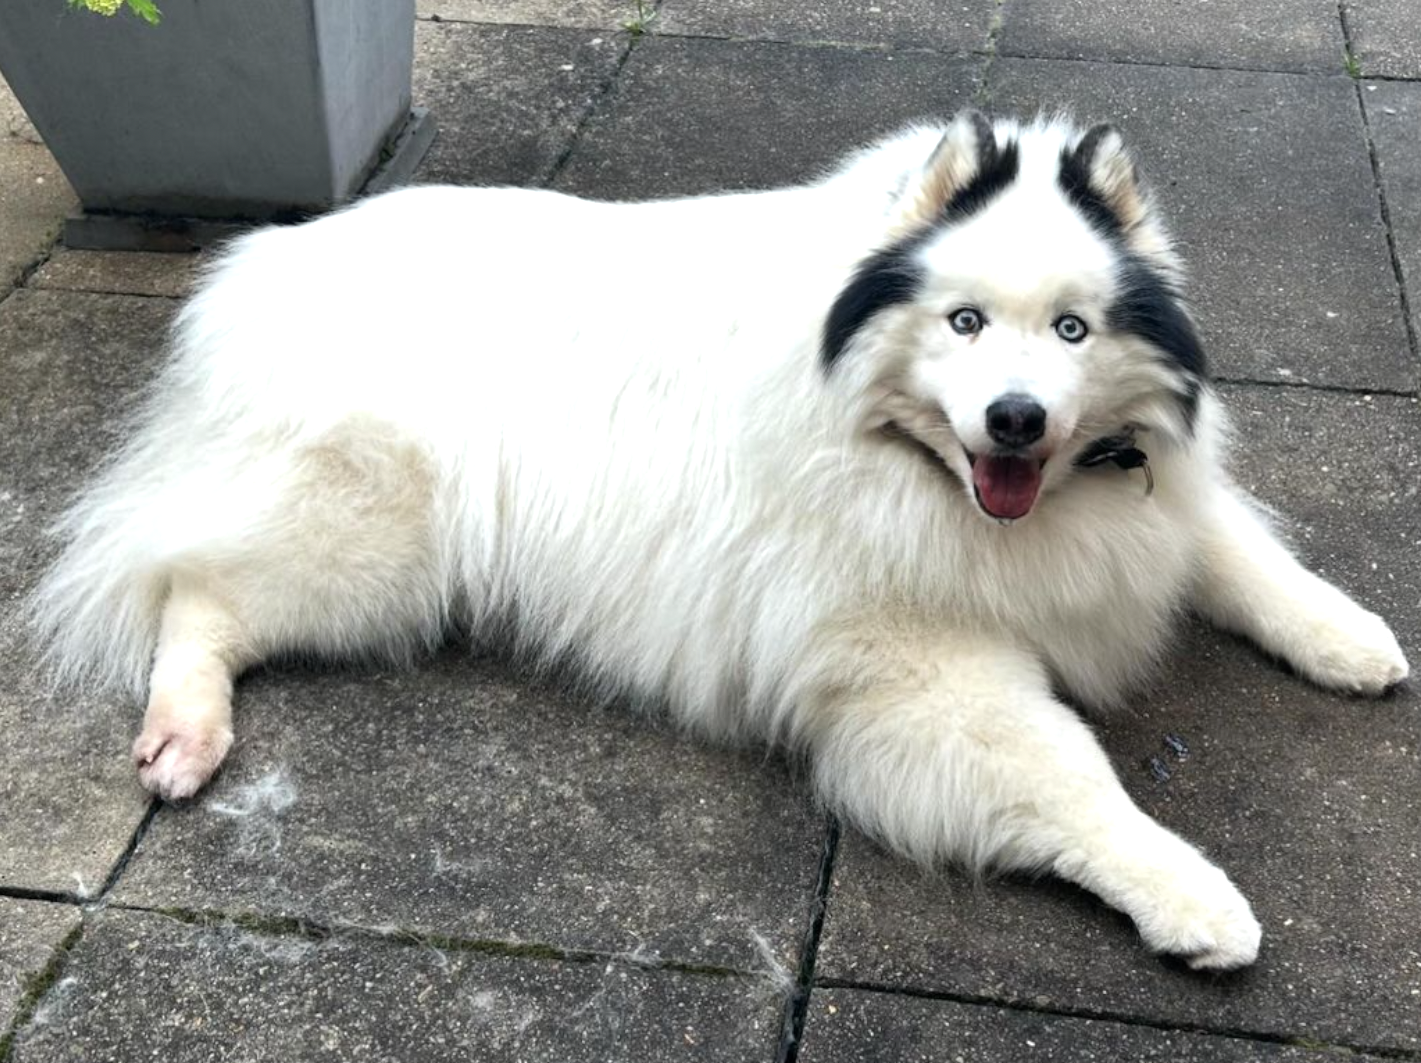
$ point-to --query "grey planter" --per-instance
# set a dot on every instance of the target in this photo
(250, 109)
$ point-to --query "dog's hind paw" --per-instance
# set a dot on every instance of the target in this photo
(1354, 652)
(175, 759)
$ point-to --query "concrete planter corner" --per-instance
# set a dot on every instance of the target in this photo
(226, 111)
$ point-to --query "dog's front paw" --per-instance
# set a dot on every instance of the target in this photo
(175, 758)
(1203, 918)
(1352, 650)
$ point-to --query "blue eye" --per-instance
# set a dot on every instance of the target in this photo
(1071, 328)
(966, 321)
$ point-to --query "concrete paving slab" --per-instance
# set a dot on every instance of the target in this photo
(118, 273)
(506, 99)
(1306, 798)
(1394, 117)
(144, 986)
(460, 800)
(845, 1026)
(69, 361)
(1302, 35)
(34, 201)
(30, 933)
(1266, 180)
(1386, 37)
(690, 116)
(958, 26)
(591, 14)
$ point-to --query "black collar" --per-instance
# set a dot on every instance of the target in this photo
(1121, 450)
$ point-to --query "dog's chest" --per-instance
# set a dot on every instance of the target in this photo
(1095, 589)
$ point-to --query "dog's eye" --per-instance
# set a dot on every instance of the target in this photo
(966, 322)
(1071, 328)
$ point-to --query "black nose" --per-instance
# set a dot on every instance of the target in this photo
(1016, 420)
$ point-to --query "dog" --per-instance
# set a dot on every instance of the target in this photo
(876, 469)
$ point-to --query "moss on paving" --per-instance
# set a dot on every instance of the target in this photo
(35, 988)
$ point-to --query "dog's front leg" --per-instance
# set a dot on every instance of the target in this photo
(1252, 585)
(952, 748)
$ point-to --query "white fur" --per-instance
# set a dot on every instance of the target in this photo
(605, 430)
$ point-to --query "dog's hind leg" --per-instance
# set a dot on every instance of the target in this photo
(187, 727)
(344, 561)
(952, 748)
(1252, 585)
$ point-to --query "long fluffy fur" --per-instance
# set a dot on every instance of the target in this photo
(625, 434)
(641, 464)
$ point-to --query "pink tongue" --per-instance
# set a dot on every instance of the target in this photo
(1005, 485)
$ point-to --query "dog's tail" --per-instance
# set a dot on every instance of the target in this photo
(95, 614)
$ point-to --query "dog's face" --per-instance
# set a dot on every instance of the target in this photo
(1023, 306)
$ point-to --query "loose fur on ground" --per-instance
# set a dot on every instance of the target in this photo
(869, 468)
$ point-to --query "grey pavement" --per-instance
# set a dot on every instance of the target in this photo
(463, 862)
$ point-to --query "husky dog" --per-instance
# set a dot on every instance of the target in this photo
(868, 468)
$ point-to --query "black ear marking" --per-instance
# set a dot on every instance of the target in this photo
(1074, 179)
(968, 147)
(1090, 143)
(1098, 176)
(986, 136)
(997, 167)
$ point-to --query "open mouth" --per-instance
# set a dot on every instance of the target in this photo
(1006, 485)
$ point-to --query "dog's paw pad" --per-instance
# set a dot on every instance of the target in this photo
(175, 760)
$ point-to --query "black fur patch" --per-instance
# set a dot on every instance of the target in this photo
(997, 167)
(1148, 305)
(891, 275)
(884, 279)
(1074, 180)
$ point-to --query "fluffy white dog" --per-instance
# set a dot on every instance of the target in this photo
(863, 468)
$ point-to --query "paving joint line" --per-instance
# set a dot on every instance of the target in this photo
(1303, 385)
(99, 898)
(1122, 1018)
(121, 864)
(37, 987)
(796, 1012)
(895, 46)
(22, 277)
(1405, 79)
(579, 27)
(982, 95)
(104, 291)
(602, 94)
(902, 46)
(1397, 272)
(1154, 64)
(317, 931)
(42, 896)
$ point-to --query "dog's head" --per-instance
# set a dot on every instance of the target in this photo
(1023, 304)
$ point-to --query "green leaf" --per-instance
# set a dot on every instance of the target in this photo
(147, 10)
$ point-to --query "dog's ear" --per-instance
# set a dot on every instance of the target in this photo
(1101, 168)
(967, 148)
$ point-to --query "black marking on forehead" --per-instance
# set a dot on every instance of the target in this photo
(1148, 305)
(893, 275)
